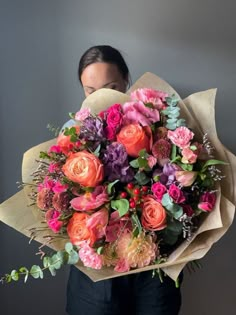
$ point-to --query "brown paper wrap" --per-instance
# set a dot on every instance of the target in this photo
(199, 111)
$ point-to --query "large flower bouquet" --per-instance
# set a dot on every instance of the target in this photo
(127, 186)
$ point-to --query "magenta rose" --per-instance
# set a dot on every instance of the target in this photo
(158, 190)
(114, 116)
(207, 201)
(181, 137)
(176, 194)
(52, 218)
(188, 210)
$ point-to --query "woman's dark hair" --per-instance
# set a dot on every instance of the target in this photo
(107, 54)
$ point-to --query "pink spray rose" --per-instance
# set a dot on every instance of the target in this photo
(207, 201)
(158, 190)
(181, 137)
(176, 194)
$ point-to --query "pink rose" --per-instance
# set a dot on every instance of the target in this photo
(188, 210)
(207, 201)
(114, 116)
(189, 156)
(52, 220)
(150, 96)
(181, 137)
(137, 112)
(89, 257)
(176, 194)
(158, 190)
(185, 178)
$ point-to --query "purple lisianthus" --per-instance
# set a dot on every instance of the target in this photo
(167, 174)
(116, 164)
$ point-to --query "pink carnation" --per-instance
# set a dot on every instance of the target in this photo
(122, 265)
(150, 96)
(52, 220)
(181, 137)
(137, 112)
(59, 188)
(89, 257)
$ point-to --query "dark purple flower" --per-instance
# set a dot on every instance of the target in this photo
(92, 129)
(116, 164)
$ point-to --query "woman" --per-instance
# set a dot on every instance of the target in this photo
(104, 67)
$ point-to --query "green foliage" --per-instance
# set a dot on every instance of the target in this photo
(72, 133)
(52, 263)
(142, 178)
(172, 112)
(175, 210)
(137, 227)
(121, 205)
(110, 187)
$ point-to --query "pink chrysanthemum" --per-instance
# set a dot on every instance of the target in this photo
(89, 257)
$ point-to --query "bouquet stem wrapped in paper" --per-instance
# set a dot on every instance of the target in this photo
(198, 111)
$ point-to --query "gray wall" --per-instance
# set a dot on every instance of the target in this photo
(189, 43)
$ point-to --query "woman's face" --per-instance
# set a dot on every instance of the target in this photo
(102, 75)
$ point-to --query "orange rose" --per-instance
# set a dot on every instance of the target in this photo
(135, 138)
(84, 168)
(78, 231)
(153, 215)
(64, 141)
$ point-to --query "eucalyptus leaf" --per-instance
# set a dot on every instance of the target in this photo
(15, 275)
(134, 163)
(142, 178)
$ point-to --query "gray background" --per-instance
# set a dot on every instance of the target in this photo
(189, 43)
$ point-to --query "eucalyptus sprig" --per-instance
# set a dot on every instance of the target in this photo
(52, 263)
(172, 111)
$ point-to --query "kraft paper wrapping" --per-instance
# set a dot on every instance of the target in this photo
(199, 111)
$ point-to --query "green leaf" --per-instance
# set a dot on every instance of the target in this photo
(143, 153)
(149, 105)
(134, 163)
(173, 152)
(72, 115)
(136, 224)
(110, 186)
(36, 272)
(171, 126)
(73, 138)
(142, 178)
(100, 250)
(44, 155)
(121, 205)
(97, 151)
(212, 162)
(15, 275)
(181, 122)
(171, 121)
(55, 262)
(25, 271)
(73, 258)
(174, 227)
(68, 247)
(167, 201)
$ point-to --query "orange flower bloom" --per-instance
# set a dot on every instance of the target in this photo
(153, 215)
(78, 231)
(84, 168)
(65, 143)
(135, 138)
